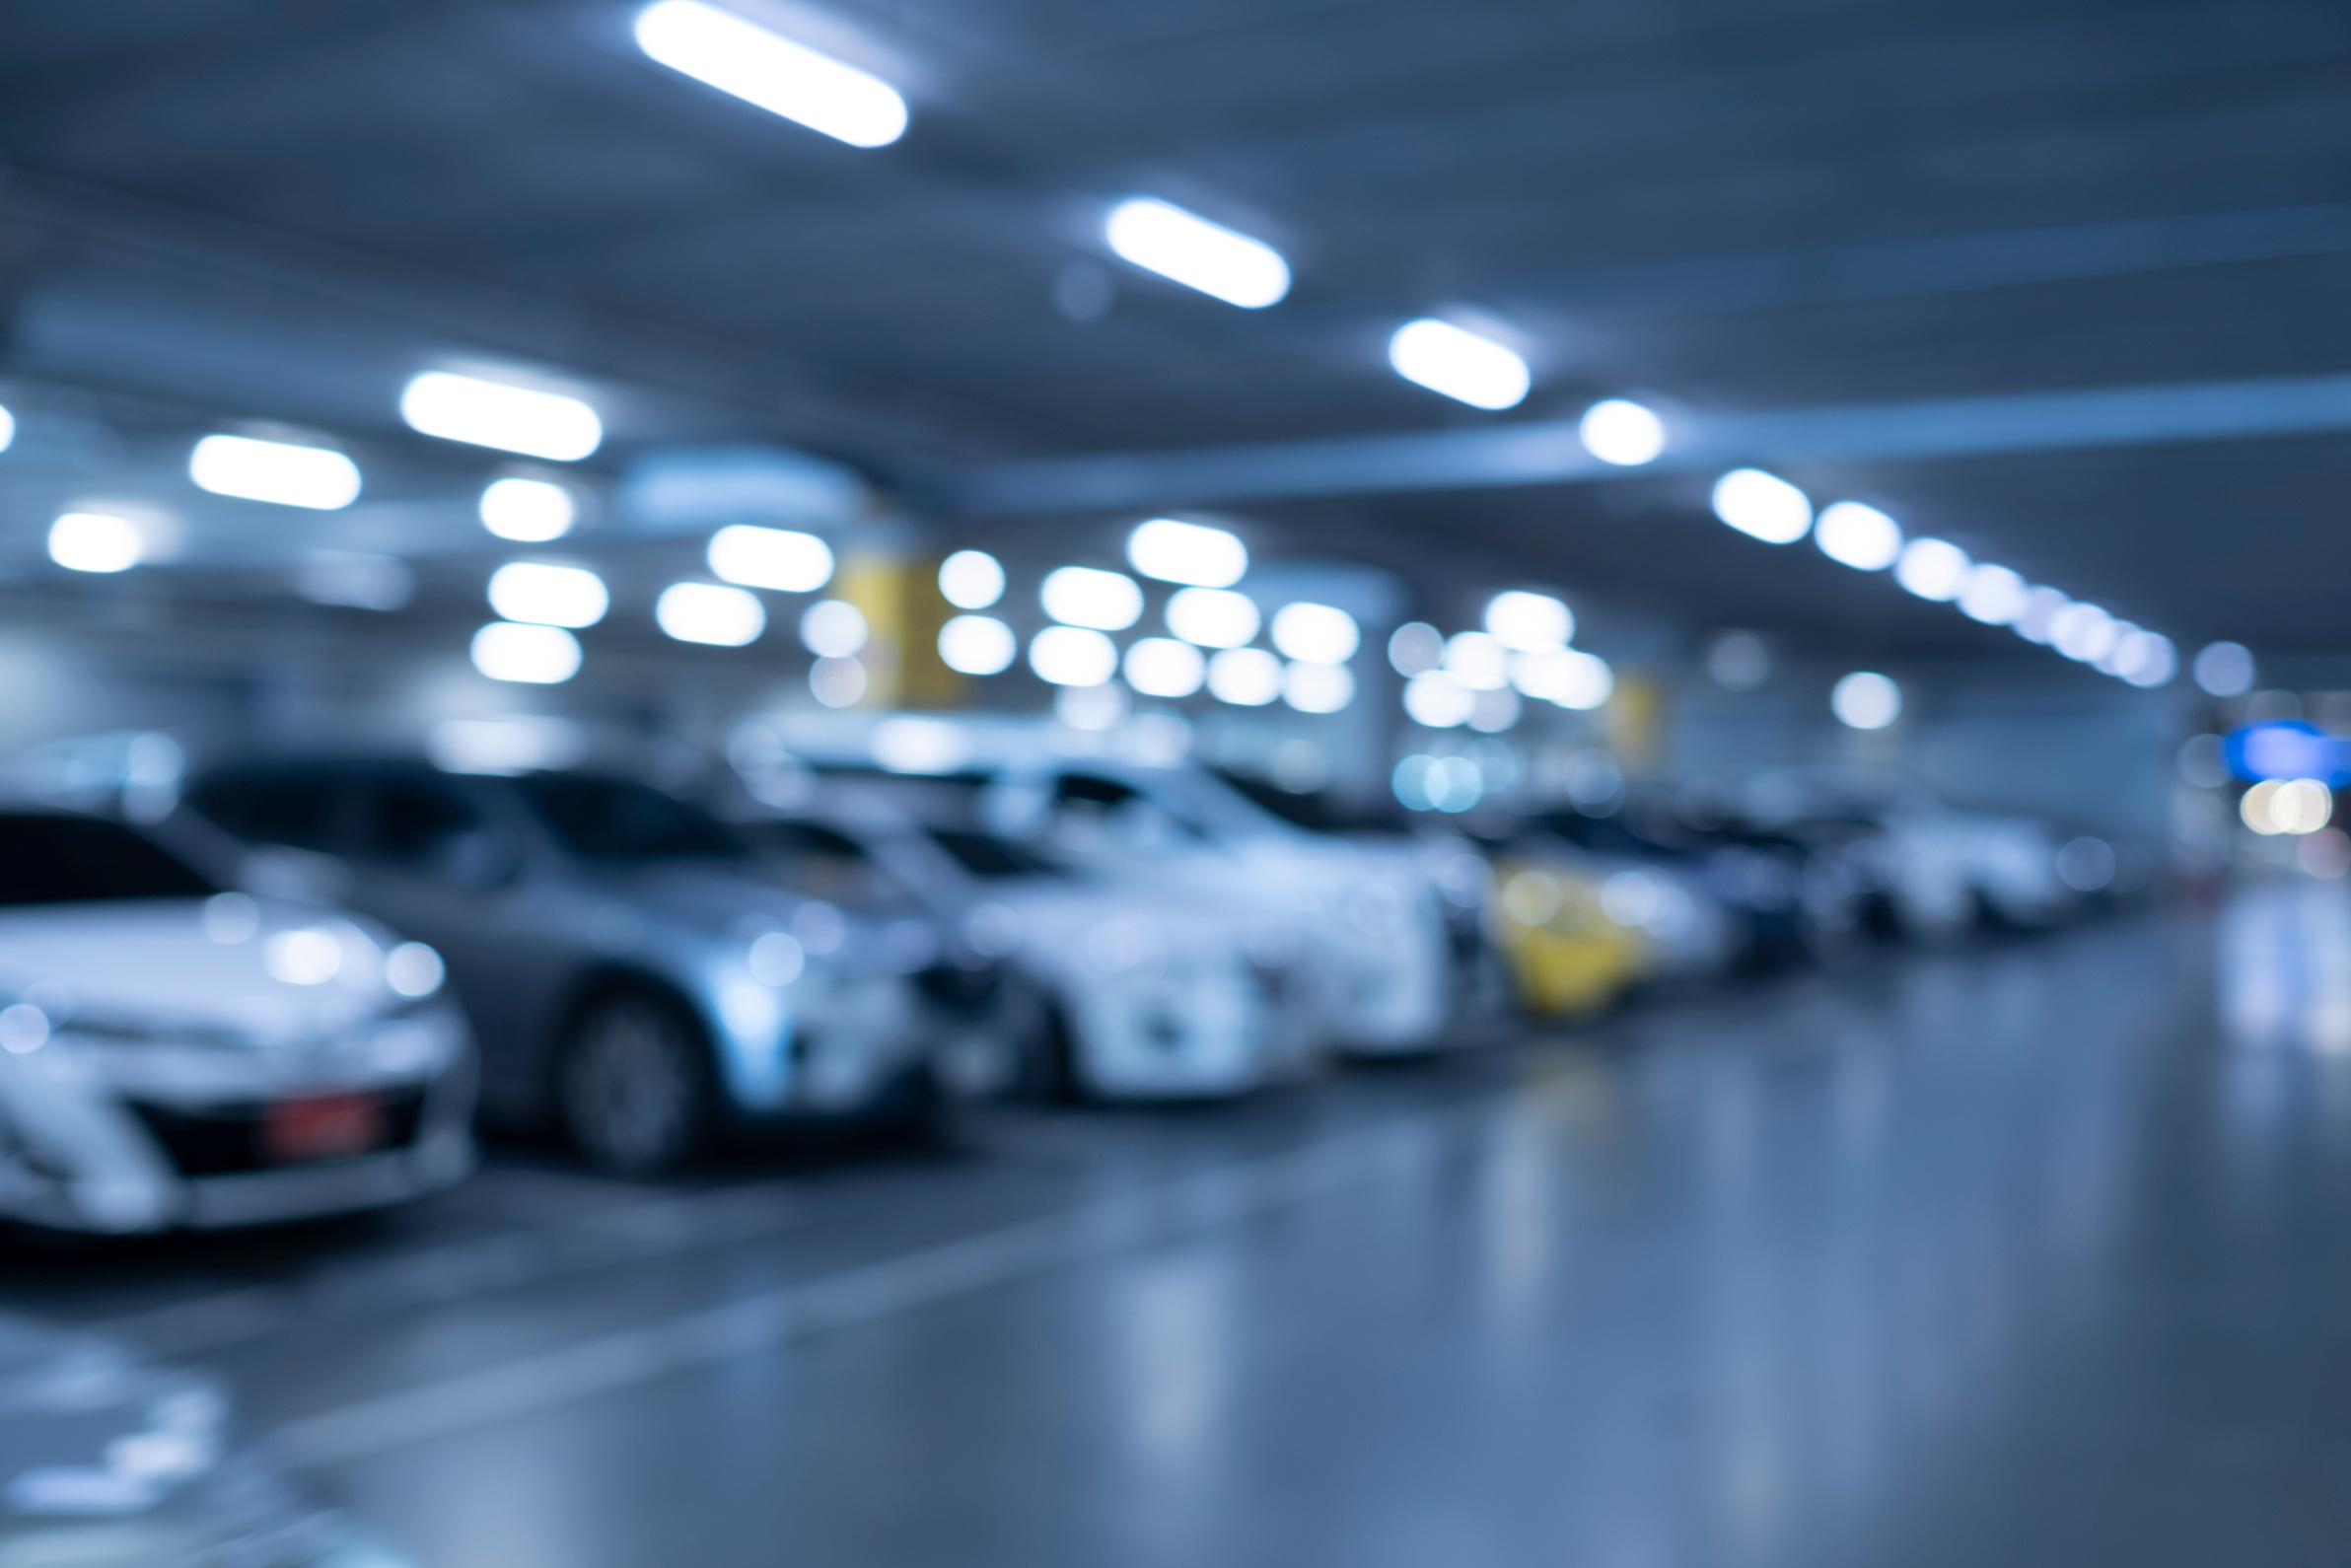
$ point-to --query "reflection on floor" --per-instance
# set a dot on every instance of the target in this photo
(2035, 1255)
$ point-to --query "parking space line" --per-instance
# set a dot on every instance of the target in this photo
(864, 1294)
(506, 1260)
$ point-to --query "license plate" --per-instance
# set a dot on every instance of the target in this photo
(326, 1128)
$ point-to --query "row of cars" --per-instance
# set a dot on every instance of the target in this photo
(298, 987)
(1671, 884)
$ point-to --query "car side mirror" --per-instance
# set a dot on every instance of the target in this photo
(479, 857)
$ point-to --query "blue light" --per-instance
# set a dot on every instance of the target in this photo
(2288, 749)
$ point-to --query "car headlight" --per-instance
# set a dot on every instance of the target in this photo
(414, 970)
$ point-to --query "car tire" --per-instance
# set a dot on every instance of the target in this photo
(633, 1084)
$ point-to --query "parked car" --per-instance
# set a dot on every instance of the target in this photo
(1942, 869)
(1567, 955)
(631, 974)
(175, 1053)
(1127, 995)
(1377, 954)
(109, 1462)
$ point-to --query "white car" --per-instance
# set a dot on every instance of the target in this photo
(1944, 869)
(1138, 997)
(108, 1461)
(1378, 955)
(178, 1054)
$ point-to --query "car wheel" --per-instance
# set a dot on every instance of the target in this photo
(633, 1084)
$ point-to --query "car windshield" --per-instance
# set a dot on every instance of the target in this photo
(607, 819)
(47, 859)
(994, 859)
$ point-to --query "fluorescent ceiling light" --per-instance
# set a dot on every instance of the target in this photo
(777, 558)
(2083, 632)
(1529, 622)
(1435, 699)
(8, 430)
(490, 413)
(1866, 701)
(534, 654)
(1187, 552)
(977, 645)
(1080, 596)
(1320, 634)
(1415, 648)
(704, 613)
(95, 542)
(548, 595)
(1621, 432)
(528, 511)
(1860, 536)
(2041, 614)
(1477, 661)
(1995, 596)
(1933, 569)
(971, 579)
(1071, 656)
(1763, 506)
(277, 471)
(2148, 659)
(1161, 237)
(1316, 687)
(2225, 669)
(1463, 366)
(1213, 617)
(737, 56)
(832, 628)
(1247, 677)
(1567, 676)
(1162, 667)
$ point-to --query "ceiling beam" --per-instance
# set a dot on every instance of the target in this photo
(1547, 451)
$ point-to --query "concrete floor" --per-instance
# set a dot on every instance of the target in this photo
(2036, 1254)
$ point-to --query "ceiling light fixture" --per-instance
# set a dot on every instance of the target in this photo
(1247, 677)
(977, 645)
(779, 558)
(528, 511)
(1162, 667)
(971, 579)
(1081, 596)
(1763, 506)
(1072, 656)
(1995, 596)
(1320, 634)
(737, 56)
(1187, 552)
(1621, 432)
(540, 656)
(1933, 569)
(1866, 701)
(1458, 364)
(1529, 622)
(490, 413)
(95, 542)
(548, 595)
(1213, 617)
(704, 613)
(1159, 236)
(280, 472)
(1857, 536)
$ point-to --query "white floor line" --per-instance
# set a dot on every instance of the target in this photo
(1120, 1223)
(452, 1270)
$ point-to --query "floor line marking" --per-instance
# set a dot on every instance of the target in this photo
(863, 1294)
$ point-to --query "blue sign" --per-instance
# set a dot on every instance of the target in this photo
(2288, 749)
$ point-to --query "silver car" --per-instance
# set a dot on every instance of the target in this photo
(630, 972)
(175, 1053)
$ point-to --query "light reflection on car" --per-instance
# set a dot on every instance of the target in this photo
(176, 1053)
(633, 977)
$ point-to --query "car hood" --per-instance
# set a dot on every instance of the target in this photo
(260, 969)
(717, 900)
